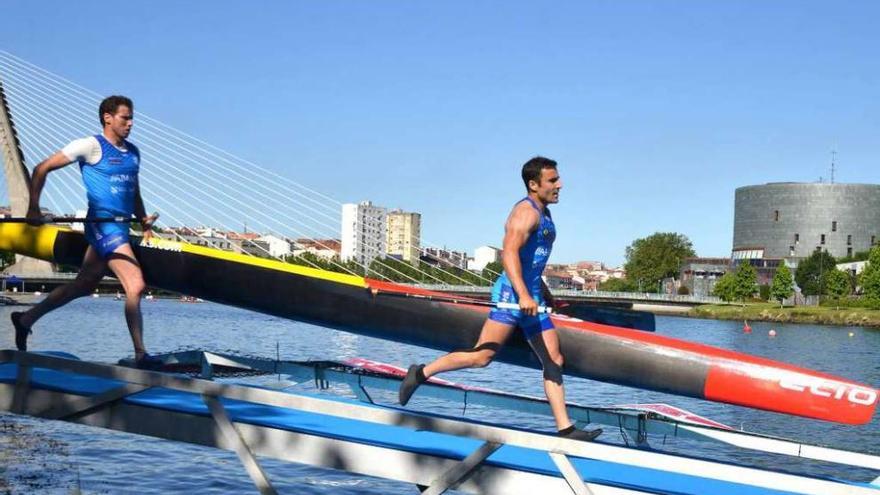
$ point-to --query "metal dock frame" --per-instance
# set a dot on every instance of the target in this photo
(635, 425)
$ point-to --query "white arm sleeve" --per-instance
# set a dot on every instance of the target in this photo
(86, 149)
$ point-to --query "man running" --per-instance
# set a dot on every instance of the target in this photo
(528, 239)
(109, 166)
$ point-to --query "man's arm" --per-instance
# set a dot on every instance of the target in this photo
(140, 214)
(522, 222)
(38, 180)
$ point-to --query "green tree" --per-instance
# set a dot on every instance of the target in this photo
(745, 282)
(618, 285)
(783, 284)
(656, 257)
(492, 271)
(6, 258)
(859, 256)
(810, 271)
(725, 287)
(869, 279)
(836, 285)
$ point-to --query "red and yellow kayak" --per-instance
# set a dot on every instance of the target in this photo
(369, 307)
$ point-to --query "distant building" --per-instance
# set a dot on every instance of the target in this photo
(277, 247)
(247, 243)
(853, 267)
(699, 275)
(591, 272)
(322, 248)
(256, 247)
(585, 283)
(558, 280)
(404, 233)
(363, 232)
(585, 275)
(235, 236)
(793, 220)
(205, 237)
(79, 226)
(484, 255)
(589, 265)
(445, 257)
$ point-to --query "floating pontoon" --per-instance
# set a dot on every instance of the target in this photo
(433, 451)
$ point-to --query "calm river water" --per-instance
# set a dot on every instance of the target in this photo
(39, 456)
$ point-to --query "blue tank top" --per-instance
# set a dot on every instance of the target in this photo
(533, 255)
(111, 183)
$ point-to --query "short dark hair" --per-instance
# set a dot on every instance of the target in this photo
(531, 170)
(111, 104)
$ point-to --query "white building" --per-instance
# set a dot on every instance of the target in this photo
(277, 247)
(484, 255)
(404, 235)
(853, 267)
(77, 226)
(363, 232)
(205, 237)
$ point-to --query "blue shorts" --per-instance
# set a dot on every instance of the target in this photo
(106, 237)
(530, 325)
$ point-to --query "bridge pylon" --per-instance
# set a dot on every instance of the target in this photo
(18, 181)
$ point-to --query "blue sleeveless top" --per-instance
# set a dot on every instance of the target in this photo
(533, 255)
(111, 183)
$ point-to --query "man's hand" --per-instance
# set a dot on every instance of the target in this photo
(147, 224)
(35, 217)
(528, 306)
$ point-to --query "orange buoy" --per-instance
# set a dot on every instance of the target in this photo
(746, 327)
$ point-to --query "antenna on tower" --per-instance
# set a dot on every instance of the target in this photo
(833, 155)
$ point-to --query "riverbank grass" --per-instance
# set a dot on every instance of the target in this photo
(821, 315)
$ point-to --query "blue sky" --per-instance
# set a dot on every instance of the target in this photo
(655, 110)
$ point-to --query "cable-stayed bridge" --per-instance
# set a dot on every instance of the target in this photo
(197, 187)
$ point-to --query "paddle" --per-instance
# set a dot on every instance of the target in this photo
(458, 300)
(51, 219)
(503, 305)
(606, 315)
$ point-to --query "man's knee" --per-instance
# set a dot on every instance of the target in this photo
(84, 284)
(553, 369)
(81, 289)
(135, 288)
(481, 359)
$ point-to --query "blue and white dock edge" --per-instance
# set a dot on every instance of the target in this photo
(435, 452)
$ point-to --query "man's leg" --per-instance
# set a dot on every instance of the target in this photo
(546, 347)
(492, 337)
(127, 269)
(90, 274)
